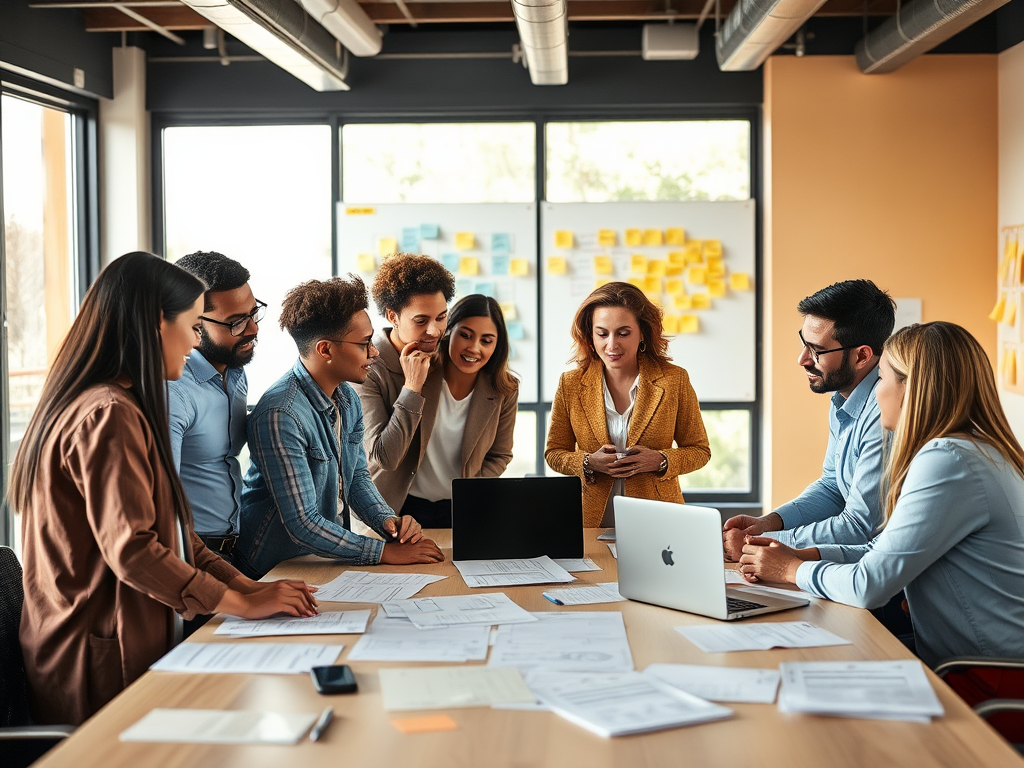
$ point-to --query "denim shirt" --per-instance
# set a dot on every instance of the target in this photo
(955, 542)
(844, 505)
(290, 499)
(207, 425)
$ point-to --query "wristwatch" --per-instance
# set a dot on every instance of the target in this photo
(664, 464)
(588, 473)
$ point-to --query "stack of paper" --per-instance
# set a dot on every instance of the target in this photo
(460, 610)
(759, 636)
(884, 690)
(588, 641)
(750, 686)
(373, 587)
(510, 573)
(210, 726)
(326, 623)
(248, 658)
(622, 703)
(589, 595)
(400, 640)
(446, 687)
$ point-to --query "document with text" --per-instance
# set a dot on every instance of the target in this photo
(248, 658)
(584, 641)
(326, 623)
(732, 684)
(591, 594)
(510, 573)
(211, 726)
(577, 564)
(373, 587)
(400, 640)
(447, 687)
(481, 609)
(759, 636)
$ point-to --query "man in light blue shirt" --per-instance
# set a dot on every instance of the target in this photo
(207, 406)
(844, 328)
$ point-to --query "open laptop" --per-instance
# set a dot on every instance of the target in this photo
(672, 555)
(504, 518)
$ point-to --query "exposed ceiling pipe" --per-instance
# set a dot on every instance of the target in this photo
(544, 32)
(347, 21)
(756, 28)
(917, 27)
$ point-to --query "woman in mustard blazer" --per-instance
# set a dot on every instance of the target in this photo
(616, 416)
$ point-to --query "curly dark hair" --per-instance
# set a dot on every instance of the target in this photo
(647, 313)
(318, 309)
(216, 270)
(404, 275)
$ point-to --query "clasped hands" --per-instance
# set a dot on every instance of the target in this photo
(636, 460)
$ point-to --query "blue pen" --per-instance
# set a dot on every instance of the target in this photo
(553, 600)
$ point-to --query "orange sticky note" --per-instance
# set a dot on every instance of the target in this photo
(700, 301)
(677, 257)
(652, 284)
(656, 267)
(465, 241)
(563, 238)
(606, 238)
(716, 288)
(637, 263)
(674, 287)
(425, 724)
(469, 265)
(637, 281)
(998, 310)
(694, 252)
(653, 237)
(365, 262)
(386, 246)
(675, 236)
(557, 265)
(739, 281)
(671, 324)
(603, 265)
(634, 237)
(712, 248)
(683, 301)
(689, 324)
(697, 275)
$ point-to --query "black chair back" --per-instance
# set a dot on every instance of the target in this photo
(13, 687)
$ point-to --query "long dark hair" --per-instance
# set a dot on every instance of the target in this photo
(116, 337)
(478, 305)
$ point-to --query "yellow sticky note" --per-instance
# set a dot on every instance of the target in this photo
(697, 275)
(634, 237)
(998, 310)
(603, 265)
(656, 267)
(739, 281)
(637, 263)
(1010, 316)
(557, 265)
(465, 241)
(712, 248)
(689, 324)
(716, 288)
(677, 257)
(563, 238)
(508, 309)
(425, 724)
(601, 281)
(716, 270)
(469, 265)
(519, 267)
(386, 246)
(1011, 248)
(365, 262)
(653, 237)
(637, 281)
(683, 301)
(670, 324)
(673, 270)
(694, 252)
(606, 238)
(1010, 367)
(674, 287)
(675, 236)
(700, 301)
(1003, 269)
(652, 284)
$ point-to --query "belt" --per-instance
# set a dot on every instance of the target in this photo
(222, 544)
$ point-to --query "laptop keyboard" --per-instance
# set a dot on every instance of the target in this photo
(736, 605)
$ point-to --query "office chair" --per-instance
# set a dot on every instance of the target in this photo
(994, 687)
(23, 743)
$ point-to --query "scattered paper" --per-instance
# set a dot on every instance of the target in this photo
(504, 573)
(248, 658)
(212, 726)
(578, 641)
(615, 554)
(577, 564)
(759, 636)
(397, 639)
(588, 595)
(460, 610)
(448, 687)
(425, 724)
(757, 589)
(732, 576)
(373, 586)
(735, 684)
(326, 623)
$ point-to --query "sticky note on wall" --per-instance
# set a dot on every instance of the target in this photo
(694, 252)
(386, 246)
(998, 310)
(1010, 315)
(508, 309)
(697, 275)
(519, 267)
(411, 239)
(450, 261)
(670, 324)
(675, 236)
(606, 238)
(689, 324)
(429, 231)
(365, 262)
(652, 284)
(557, 265)
(603, 265)
(683, 302)
(674, 287)
(637, 281)
(656, 267)
(563, 238)
(653, 237)
(500, 264)
(677, 258)
(515, 330)
(465, 241)
(634, 237)
(501, 242)
(739, 281)
(700, 301)
(712, 248)
(484, 288)
(716, 288)
(638, 263)
(469, 265)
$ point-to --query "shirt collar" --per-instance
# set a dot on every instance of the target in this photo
(610, 403)
(201, 368)
(312, 390)
(852, 406)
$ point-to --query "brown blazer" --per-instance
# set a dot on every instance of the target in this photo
(102, 570)
(398, 423)
(666, 410)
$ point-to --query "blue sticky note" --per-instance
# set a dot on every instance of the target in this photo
(450, 261)
(487, 289)
(463, 287)
(501, 243)
(411, 239)
(515, 330)
(429, 231)
(499, 264)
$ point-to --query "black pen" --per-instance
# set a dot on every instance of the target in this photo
(321, 724)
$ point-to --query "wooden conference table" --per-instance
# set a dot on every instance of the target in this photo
(361, 734)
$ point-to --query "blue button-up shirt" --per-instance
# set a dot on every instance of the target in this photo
(290, 499)
(207, 420)
(844, 505)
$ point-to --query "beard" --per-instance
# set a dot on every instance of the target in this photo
(229, 356)
(833, 381)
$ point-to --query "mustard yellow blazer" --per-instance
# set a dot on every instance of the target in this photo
(666, 413)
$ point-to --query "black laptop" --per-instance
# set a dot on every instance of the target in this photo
(504, 518)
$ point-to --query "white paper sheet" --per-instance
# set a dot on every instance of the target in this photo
(732, 576)
(759, 636)
(461, 610)
(510, 573)
(374, 587)
(758, 589)
(211, 726)
(888, 690)
(623, 703)
(615, 553)
(326, 623)
(735, 684)
(592, 594)
(578, 641)
(577, 564)
(248, 658)
(400, 640)
(446, 687)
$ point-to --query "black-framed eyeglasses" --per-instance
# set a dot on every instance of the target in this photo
(364, 344)
(815, 353)
(237, 327)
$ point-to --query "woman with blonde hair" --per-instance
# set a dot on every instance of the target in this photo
(615, 417)
(954, 532)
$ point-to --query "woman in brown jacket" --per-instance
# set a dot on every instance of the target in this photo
(111, 561)
(615, 417)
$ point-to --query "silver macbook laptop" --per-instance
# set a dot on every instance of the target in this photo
(671, 555)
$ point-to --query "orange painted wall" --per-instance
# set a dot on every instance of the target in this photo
(887, 177)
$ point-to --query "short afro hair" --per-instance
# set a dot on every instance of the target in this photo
(320, 309)
(404, 275)
(216, 270)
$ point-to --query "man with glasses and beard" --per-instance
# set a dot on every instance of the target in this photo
(207, 405)
(844, 328)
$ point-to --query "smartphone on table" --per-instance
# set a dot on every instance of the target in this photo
(334, 679)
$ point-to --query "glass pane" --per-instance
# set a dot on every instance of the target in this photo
(597, 162)
(260, 195)
(524, 446)
(439, 163)
(729, 468)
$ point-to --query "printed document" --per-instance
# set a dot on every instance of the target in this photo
(248, 658)
(736, 684)
(577, 564)
(486, 610)
(510, 573)
(446, 687)
(589, 595)
(212, 726)
(372, 587)
(326, 623)
(759, 637)
(584, 641)
(400, 640)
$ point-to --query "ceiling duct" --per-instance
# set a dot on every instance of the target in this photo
(285, 34)
(917, 27)
(544, 32)
(347, 21)
(756, 28)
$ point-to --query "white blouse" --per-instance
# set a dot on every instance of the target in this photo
(442, 461)
(618, 430)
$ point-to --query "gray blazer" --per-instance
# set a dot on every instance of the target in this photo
(398, 423)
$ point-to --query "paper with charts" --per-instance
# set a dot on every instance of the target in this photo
(511, 573)
(486, 610)
(400, 640)
(446, 687)
(373, 587)
(586, 641)
(326, 623)
(759, 637)
(211, 726)
(884, 690)
(622, 703)
(733, 684)
(248, 658)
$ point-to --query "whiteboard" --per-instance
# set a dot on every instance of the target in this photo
(720, 358)
(362, 228)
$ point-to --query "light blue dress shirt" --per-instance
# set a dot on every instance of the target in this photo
(844, 505)
(955, 543)
(207, 421)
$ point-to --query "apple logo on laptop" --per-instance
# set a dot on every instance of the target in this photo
(666, 555)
